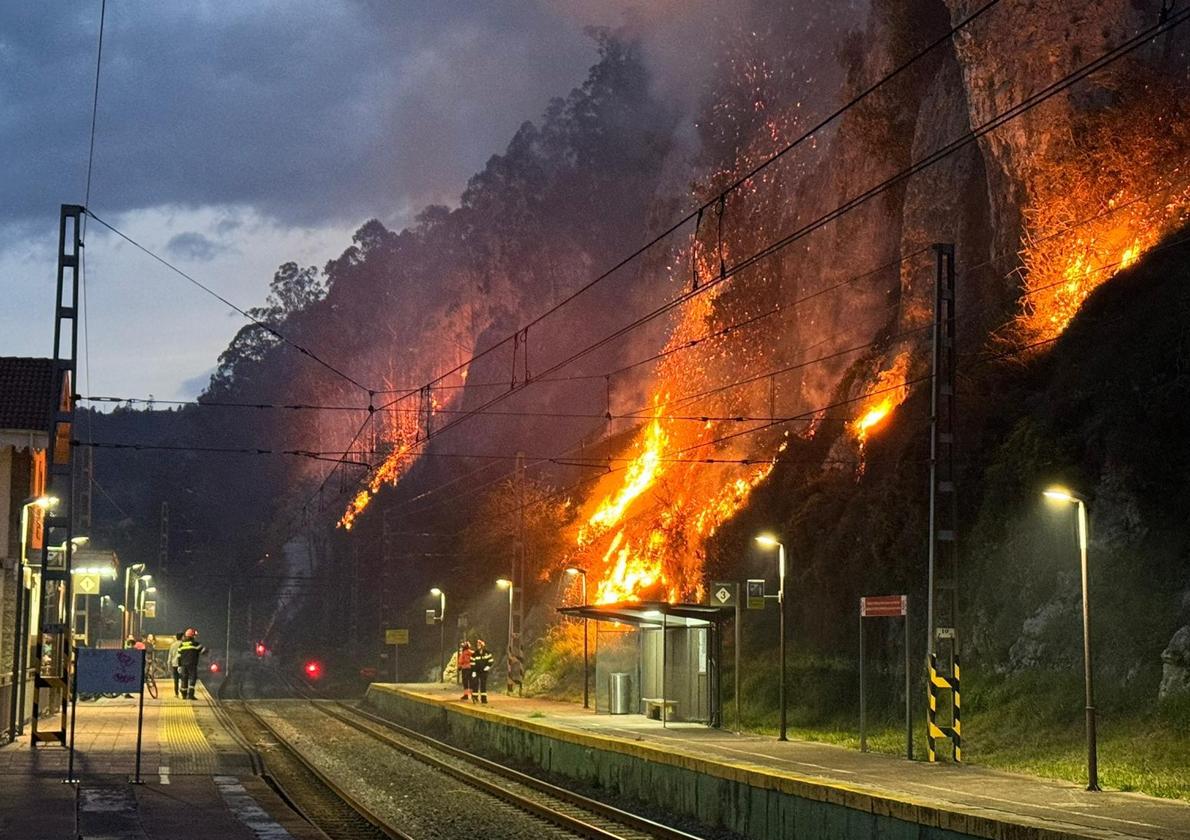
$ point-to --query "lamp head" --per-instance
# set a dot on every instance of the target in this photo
(79, 540)
(44, 502)
(575, 570)
(504, 583)
(151, 589)
(435, 591)
(768, 540)
(137, 567)
(1061, 494)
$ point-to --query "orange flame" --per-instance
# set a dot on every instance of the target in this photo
(888, 391)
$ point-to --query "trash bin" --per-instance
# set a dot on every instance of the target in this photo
(619, 691)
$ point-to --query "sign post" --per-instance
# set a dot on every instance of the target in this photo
(727, 594)
(884, 606)
(396, 636)
(756, 594)
(104, 671)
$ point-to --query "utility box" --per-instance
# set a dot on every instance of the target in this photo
(619, 693)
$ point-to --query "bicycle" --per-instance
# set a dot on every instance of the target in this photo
(151, 679)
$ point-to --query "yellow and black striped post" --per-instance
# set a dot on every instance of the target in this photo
(954, 731)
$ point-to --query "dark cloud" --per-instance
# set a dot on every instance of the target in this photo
(193, 246)
(309, 112)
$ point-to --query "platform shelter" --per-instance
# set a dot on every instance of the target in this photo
(657, 659)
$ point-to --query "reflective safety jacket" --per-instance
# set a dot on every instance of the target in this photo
(188, 653)
(482, 660)
(465, 659)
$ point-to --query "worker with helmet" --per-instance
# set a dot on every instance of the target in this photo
(188, 653)
(481, 664)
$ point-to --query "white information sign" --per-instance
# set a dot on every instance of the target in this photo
(110, 671)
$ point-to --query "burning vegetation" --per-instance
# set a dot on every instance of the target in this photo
(1118, 185)
(887, 392)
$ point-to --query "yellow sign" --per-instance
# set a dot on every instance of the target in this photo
(150, 609)
(399, 636)
(86, 584)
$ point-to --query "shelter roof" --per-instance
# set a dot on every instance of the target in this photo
(27, 393)
(650, 614)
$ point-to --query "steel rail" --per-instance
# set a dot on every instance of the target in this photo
(352, 802)
(600, 809)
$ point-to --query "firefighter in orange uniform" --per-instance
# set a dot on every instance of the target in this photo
(464, 668)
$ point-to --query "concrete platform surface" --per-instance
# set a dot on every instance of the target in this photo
(198, 781)
(1005, 802)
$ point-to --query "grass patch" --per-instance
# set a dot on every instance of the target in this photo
(1030, 724)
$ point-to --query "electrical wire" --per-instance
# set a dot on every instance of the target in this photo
(268, 328)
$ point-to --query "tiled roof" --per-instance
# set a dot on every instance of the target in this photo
(27, 393)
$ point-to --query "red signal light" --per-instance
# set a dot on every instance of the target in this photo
(214, 667)
(260, 648)
(313, 670)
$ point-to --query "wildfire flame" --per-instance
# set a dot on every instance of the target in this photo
(1110, 194)
(402, 430)
(887, 392)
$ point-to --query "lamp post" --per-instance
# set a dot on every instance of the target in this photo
(1062, 495)
(506, 583)
(572, 571)
(140, 604)
(769, 541)
(21, 648)
(127, 625)
(441, 619)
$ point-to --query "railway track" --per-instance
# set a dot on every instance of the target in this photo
(306, 789)
(569, 810)
(557, 812)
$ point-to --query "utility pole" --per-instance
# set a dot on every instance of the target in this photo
(943, 605)
(55, 619)
(163, 540)
(516, 642)
(82, 490)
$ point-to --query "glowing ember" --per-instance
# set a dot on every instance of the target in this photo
(1111, 193)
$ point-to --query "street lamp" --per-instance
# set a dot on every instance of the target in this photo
(140, 603)
(441, 619)
(1063, 496)
(17, 717)
(769, 541)
(505, 583)
(128, 603)
(572, 571)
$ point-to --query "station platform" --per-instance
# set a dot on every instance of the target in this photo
(198, 780)
(763, 788)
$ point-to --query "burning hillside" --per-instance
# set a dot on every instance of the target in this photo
(763, 336)
(1112, 192)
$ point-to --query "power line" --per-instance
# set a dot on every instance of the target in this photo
(95, 102)
(1030, 102)
(271, 330)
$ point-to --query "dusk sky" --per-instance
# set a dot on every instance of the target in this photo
(232, 137)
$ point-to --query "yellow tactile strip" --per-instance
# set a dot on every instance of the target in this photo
(181, 738)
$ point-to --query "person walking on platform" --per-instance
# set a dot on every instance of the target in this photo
(481, 663)
(188, 654)
(464, 668)
(171, 659)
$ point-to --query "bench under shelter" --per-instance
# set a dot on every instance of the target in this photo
(657, 659)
